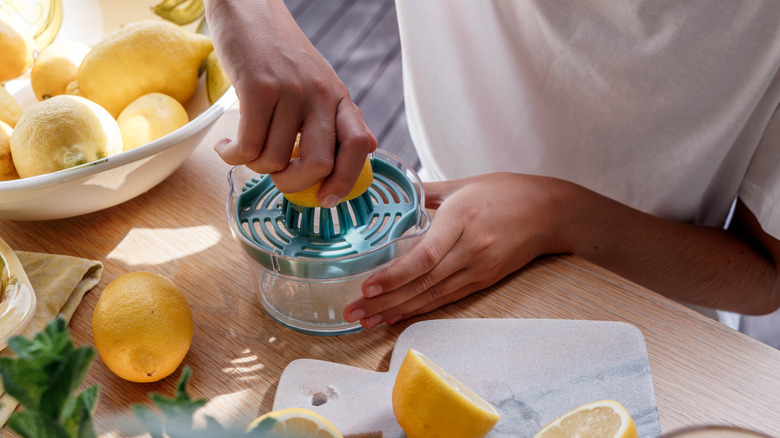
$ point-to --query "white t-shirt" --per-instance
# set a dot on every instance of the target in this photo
(670, 107)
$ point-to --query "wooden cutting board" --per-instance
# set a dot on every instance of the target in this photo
(531, 370)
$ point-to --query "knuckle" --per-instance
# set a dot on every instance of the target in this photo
(322, 166)
(425, 283)
(271, 164)
(436, 293)
(430, 257)
(358, 141)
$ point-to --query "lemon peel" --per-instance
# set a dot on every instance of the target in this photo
(142, 326)
(308, 196)
(428, 402)
(140, 58)
(298, 422)
(55, 67)
(150, 117)
(63, 132)
(600, 419)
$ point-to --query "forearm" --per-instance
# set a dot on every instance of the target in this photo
(699, 265)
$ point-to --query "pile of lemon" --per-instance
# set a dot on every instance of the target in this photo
(126, 91)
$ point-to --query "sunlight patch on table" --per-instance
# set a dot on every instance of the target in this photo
(150, 246)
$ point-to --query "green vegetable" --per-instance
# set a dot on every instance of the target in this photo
(43, 378)
(48, 370)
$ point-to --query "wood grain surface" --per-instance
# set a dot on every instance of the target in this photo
(703, 372)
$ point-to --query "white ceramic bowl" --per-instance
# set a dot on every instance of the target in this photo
(118, 178)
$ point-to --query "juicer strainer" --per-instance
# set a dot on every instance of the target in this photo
(308, 263)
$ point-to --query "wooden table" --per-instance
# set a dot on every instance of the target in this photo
(703, 371)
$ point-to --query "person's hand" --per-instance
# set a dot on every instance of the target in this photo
(485, 227)
(285, 86)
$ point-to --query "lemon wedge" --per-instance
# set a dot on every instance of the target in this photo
(429, 402)
(601, 419)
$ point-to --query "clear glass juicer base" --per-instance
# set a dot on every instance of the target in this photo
(315, 305)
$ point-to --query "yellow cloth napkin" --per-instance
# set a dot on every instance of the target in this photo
(60, 283)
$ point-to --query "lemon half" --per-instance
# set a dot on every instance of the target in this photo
(601, 419)
(430, 403)
(308, 196)
(298, 423)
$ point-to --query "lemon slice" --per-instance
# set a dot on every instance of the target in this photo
(297, 422)
(429, 402)
(601, 419)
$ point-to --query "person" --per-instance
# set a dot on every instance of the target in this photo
(644, 137)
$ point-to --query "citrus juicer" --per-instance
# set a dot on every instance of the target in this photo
(308, 263)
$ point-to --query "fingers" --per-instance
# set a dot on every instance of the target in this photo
(252, 127)
(317, 148)
(410, 275)
(419, 262)
(393, 306)
(355, 142)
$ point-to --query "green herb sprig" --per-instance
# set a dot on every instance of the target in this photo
(47, 372)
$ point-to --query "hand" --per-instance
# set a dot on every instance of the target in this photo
(485, 228)
(284, 86)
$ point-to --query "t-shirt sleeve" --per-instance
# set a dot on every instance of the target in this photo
(760, 189)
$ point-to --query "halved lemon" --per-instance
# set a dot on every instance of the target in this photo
(428, 402)
(601, 419)
(297, 422)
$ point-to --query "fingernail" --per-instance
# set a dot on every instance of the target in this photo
(330, 201)
(219, 146)
(395, 319)
(356, 314)
(374, 320)
(373, 290)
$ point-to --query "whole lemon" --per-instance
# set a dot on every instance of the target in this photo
(143, 57)
(63, 132)
(10, 110)
(308, 196)
(17, 49)
(55, 67)
(7, 169)
(150, 117)
(142, 326)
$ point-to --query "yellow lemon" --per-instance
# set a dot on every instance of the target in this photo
(142, 326)
(55, 67)
(298, 423)
(308, 196)
(217, 81)
(428, 402)
(140, 58)
(63, 132)
(150, 117)
(10, 111)
(17, 48)
(601, 419)
(7, 169)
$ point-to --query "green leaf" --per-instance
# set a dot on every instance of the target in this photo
(152, 422)
(66, 379)
(33, 425)
(27, 376)
(77, 416)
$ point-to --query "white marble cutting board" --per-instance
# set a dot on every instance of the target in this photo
(531, 370)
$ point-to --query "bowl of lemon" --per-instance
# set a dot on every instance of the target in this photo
(105, 106)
